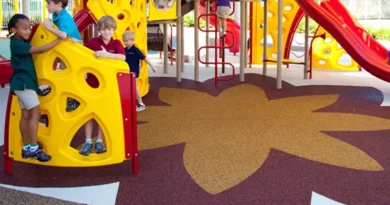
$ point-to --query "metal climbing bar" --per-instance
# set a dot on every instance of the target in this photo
(216, 48)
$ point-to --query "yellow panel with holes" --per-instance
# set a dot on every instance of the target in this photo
(290, 10)
(102, 104)
(162, 10)
(328, 54)
(129, 14)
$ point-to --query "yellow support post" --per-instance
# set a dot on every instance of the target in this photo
(16, 6)
(1, 12)
(44, 10)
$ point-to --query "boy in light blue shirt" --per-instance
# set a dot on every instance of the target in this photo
(66, 28)
(62, 19)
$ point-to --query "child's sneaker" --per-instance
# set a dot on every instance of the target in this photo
(99, 148)
(40, 155)
(86, 149)
(223, 34)
(44, 90)
(26, 153)
(141, 107)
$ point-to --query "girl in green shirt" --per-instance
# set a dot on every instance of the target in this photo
(24, 83)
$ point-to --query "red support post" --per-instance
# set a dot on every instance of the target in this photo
(135, 163)
(291, 33)
(7, 159)
(311, 52)
(129, 116)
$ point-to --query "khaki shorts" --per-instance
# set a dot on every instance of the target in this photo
(28, 99)
(223, 12)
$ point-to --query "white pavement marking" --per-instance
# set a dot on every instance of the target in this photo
(94, 195)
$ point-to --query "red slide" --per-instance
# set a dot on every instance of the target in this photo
(360, 46)
(232, 26)
(342, 13)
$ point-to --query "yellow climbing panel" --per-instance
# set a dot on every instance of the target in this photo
(329, 55)
(290, 9)
(102, 104)
(129, 14)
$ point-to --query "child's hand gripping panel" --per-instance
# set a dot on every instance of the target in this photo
(102, 104)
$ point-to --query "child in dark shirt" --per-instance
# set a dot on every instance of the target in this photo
(133, 57)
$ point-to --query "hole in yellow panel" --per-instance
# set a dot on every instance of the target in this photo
(163, 5)
(345, 60)
(46, 91)
(44, 120)
(288, 8)
(59, 65)
(120, 16)
(328, 40)
(79, 139)
(92, 81)
(322, 62)
(45, 123)
(71, 104)
(269, 41)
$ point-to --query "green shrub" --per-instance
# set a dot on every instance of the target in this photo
(312, 26)
(379, 33)
(189, 21)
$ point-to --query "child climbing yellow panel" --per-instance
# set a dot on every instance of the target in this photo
(129, 14)
(61, 126)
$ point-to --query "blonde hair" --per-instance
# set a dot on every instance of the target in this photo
(128, 34)
(106, 22)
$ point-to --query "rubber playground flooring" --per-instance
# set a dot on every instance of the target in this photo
(245, 143)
